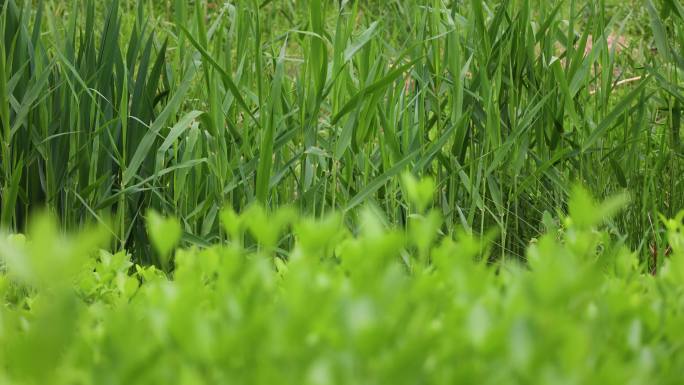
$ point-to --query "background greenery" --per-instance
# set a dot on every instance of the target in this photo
(110, 108)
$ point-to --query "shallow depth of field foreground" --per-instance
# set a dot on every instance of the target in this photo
(341, 192)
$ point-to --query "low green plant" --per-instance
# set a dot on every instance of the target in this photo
(375, 304)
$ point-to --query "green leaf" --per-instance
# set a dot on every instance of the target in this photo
(379, 181)
(361, 41)
(145, 146)
(164, 233)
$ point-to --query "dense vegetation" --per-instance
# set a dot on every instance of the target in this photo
(379, 306)
(344, 191)
(110, 108)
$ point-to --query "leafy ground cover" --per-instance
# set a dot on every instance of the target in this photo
(378, 305)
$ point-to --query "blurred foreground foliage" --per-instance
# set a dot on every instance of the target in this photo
(370, 305)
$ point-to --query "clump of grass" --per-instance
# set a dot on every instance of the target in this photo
(110, 109)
